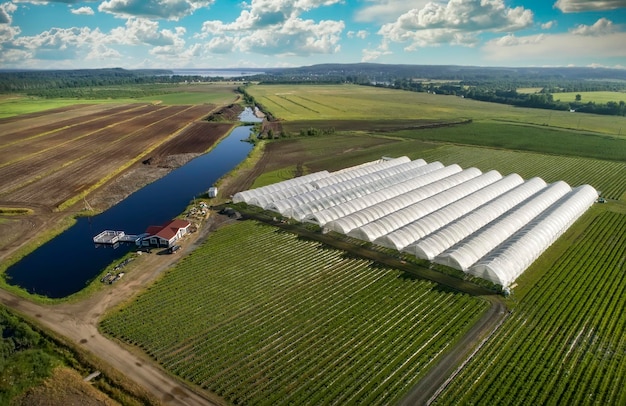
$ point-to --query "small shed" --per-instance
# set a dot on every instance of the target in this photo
(212, 192)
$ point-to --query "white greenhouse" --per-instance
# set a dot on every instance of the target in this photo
(489, 226)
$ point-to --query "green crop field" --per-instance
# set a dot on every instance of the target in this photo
(12, 105)
(17, 104)
(260, 316)
(352, 102)
(607, 177)
(529, 138)
(596, 97)
(565, 342)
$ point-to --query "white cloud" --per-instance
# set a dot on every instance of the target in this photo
(457, 23)
(87, 11)
(53, 1)
(101, 52)
(142, 31)
(7, 34)
(362, 34)
(69, 44)
(576, 6)
(388, 10)
(369, 55)
(554, 48)
(274, 27)
(165, 9)
(548, 25)
(6, 11)
(600, 27)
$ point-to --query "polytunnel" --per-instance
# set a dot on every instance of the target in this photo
(408, 234)
(381, 193)
(442, 239)
(357, 171)
(467, 252)
(360, 191)
(383, 208)
(504, 264)
(345, 217)
(287, 207)
(395, 220)
(246, 195)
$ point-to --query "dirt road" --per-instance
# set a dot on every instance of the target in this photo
(78, 322)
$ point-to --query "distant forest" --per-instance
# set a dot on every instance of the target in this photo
(493, 84)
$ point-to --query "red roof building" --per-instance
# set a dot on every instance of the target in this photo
(167, 234)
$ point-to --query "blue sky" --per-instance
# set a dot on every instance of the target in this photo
(280, 33)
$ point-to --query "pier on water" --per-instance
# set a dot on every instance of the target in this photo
(112, 237)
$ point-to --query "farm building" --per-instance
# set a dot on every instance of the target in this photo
(483, 224)
(167, 234)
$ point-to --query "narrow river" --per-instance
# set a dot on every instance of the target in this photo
(70, 261)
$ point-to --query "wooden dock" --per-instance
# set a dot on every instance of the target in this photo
(112, 237)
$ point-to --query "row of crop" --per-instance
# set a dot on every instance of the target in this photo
(506, 346)
(306, 321)
(605, 176)
(561, 313)
(563, 333)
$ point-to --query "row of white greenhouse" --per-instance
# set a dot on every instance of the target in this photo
(484, 224)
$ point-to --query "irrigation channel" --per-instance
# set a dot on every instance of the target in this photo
(70, 261)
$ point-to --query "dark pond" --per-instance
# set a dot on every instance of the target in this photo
(67, 263)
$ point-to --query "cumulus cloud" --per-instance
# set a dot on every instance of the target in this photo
(139, 31)
(274, 27)
(388, 10)
(165, 9)
(67, 44)
(548, 25)
(555, 48)
(362, 34)
(87, 11)
(53, 1)
(600, 27)
(457, 22)
(6, 12)
(576, 6)
(370, 55)
(102, 52)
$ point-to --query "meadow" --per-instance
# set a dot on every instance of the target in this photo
(352, 102)
(300, 324)
(595, 97)
(201, 93)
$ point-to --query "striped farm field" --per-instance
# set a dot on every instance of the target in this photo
(353, 102)
(565, 342)
(261, 316)
(606, 176)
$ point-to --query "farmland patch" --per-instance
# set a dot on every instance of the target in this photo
(304, 324)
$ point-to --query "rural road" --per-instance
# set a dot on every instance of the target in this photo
(78, 322)
(439, 376)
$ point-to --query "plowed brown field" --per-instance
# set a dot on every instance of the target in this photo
(50, 164)
(23, 121)
(195, 139)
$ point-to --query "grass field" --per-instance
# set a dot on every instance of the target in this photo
(596, 97)
(351, 102)
(301, 324)
(526, 138)
(17, 104)
(13, 105)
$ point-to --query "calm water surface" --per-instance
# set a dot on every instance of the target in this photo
(67, 263)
